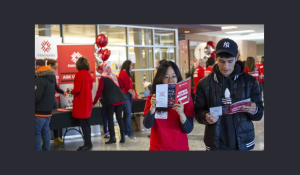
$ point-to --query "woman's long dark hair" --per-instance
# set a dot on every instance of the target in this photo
(126, 66)
(250, 64)
(161, 72)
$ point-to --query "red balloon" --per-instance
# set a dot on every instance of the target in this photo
(101, 40)
(105, 54)
(210, 43)
(100, 51)
(213, 54)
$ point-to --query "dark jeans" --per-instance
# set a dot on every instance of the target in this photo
(42, 131)
(86, 129)
(104, 113)
(261, 86)
(110, 109)
(127, 113)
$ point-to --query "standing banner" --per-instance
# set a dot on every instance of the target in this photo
(67, 57)
(46, 47)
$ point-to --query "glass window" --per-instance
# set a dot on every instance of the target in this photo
(140, 36)
(36, 30)
(79, 34)
(117, 57)
(52, 30)
(116, 35)
(141, 57)
(165, 54)
(137, 80)
(55, 30)
(164, 37)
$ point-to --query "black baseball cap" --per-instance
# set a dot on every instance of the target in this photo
(227, 45)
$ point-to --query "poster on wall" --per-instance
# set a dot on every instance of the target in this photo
(46, 47)
(67, 58)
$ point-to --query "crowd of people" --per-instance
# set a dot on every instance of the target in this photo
(211, 78)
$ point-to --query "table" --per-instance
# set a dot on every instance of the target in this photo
(137, 107)
(64, 119)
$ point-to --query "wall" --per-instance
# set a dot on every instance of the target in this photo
(247, 48)
(260, 49)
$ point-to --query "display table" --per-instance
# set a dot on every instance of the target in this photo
(64, 119)
(137, 110)
(138, 106)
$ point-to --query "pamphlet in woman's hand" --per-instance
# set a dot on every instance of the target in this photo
(169, 94)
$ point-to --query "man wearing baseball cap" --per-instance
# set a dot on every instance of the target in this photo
(228, 131)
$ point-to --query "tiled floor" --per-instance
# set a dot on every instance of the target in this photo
(142, 143)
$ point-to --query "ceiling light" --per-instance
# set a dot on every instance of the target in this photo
(228, 27)
(241, 31)
(186, 31)
(256, 34)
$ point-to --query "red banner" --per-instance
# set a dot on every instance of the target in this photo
(67, 57)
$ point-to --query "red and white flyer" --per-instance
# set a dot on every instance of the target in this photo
(63, 110)
(238, 106)
(183, 91)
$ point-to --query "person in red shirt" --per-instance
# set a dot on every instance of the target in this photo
(129, 93)
(82, 103)
(262, 79)
(252, 69)
(109, 90)
(199, 73)
(170, 133)
(210, 63)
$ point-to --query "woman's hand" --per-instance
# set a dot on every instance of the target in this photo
(153, 104)
(180, 110)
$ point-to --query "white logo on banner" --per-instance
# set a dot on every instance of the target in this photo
(75, 56)
(226, 44)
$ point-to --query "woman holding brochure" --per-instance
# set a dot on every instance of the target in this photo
(168, 133)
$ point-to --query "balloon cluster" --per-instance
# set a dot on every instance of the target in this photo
(103, 54)
(210, 49)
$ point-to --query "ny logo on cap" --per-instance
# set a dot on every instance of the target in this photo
(226, 44)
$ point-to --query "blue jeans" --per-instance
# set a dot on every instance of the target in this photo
(42, 130)
(104, 116)
(127, 113)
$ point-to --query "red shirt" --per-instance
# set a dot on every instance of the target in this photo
(256, 73)
(208, 71)
(262, 69)
(198, 75)
(99, 93)
(166, 134)
(83, 102)
(126, 81)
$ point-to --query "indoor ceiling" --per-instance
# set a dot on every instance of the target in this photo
(253, 32)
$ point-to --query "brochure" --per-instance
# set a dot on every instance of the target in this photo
(169, 94)
(238, 106)
(63, 109)
(230, 109)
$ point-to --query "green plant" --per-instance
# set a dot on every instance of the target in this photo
(190, 73)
